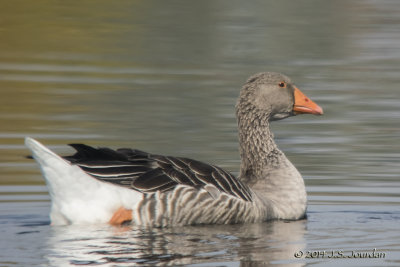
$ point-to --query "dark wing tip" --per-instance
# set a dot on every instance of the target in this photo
(85, 152)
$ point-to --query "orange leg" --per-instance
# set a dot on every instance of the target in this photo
(120, 216)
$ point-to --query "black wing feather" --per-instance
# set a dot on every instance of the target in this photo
(146, 172)
(153, 181)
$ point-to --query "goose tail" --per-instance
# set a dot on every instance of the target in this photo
(76, 197)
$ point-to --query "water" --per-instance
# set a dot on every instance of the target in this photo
(164, 77)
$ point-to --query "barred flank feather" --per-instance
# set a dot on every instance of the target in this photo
(185, 205)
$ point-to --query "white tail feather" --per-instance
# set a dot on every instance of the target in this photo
(76, 196)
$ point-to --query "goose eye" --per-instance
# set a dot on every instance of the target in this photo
(282, 84)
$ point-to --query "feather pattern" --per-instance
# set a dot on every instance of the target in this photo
(149, 173)
(186, 205)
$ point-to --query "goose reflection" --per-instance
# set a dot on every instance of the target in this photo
(241, 245)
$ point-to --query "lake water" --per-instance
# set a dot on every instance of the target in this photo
(163, 76)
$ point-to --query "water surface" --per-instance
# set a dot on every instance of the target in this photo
(164, 77)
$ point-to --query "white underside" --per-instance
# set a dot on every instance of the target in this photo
(78, 198)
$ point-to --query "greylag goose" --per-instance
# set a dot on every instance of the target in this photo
(101, 185)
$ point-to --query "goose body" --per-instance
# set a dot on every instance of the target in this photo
(101, 185)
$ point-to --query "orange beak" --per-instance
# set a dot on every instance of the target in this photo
(302, 104)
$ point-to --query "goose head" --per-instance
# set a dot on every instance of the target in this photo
(274, 96)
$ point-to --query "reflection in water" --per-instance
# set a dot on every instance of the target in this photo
(248, 244)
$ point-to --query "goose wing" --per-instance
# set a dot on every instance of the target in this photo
(148, 173)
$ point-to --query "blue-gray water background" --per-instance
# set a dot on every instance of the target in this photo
(163, 76)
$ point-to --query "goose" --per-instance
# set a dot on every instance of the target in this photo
(102, 185)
